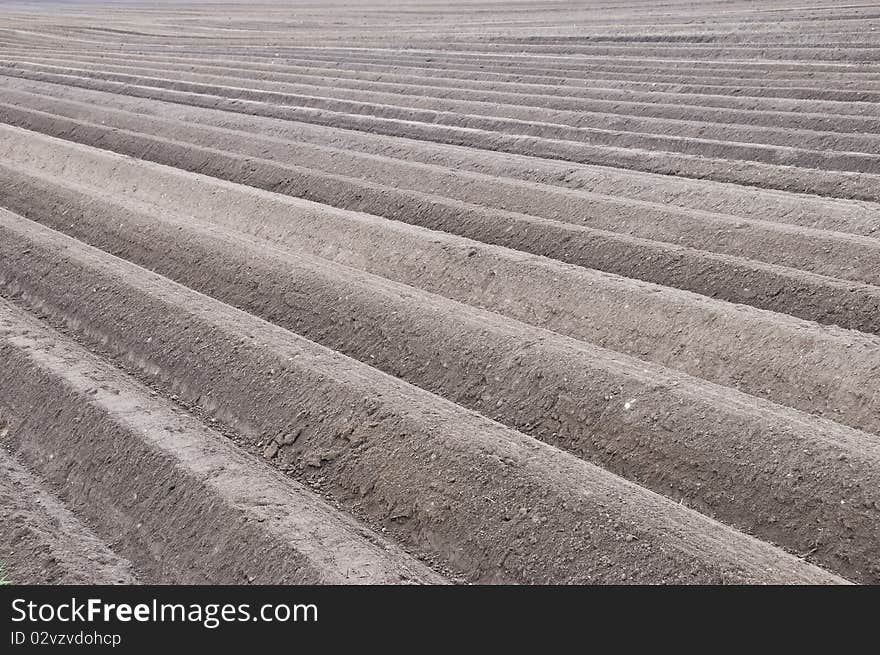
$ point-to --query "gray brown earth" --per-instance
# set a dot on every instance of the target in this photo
(440, 292)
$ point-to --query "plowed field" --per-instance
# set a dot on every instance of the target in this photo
(534, 292)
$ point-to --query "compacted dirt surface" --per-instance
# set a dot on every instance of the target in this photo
(424, 293)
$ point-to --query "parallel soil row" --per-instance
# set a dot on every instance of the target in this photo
(787, 170)
(406, 333)
(158, 469)
(542, 119)
(415, 185)
(541, 91)
(422, 294)
(53, 181)
(353, 423)
(840, 215)
(807, 295)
